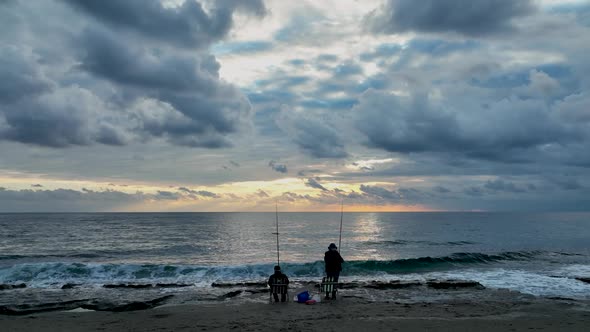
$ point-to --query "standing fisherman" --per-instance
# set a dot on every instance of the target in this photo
(333, 265)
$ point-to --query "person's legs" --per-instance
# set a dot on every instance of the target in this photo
(276, 297)
(284, 297)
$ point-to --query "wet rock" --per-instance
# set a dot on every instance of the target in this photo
(132, 306)
(161, 285)
(136, 286)
(395, 284)
(346, 285)
(69, 286)
(586, 280)
(7, 286)
(257, 291)
(27, 309)
(238, 284)
(559, 298)
(230, 294)
(454, 284)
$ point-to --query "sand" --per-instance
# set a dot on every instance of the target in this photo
(493, 311)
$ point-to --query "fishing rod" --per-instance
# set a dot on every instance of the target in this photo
(341, 217)
(277, 232)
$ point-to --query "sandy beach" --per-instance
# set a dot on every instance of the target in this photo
(489, 310)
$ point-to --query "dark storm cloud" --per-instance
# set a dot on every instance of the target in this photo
(67, 117)
(21, 77)
(380, 192)
(141, 85)
(188, 25)
(501, 130)
(313, 136)
(105, 54)
(471, 18)
(313, 183)
(206, 106)
(277, 167)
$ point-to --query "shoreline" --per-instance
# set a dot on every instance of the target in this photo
(457, 310)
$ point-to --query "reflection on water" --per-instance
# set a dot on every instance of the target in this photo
(363, 228)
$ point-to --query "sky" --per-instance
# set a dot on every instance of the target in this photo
(249, 105)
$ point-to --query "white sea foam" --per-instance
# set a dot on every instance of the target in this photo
(528, 282)
(559, 281)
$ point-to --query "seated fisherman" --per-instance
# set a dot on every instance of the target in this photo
(278, 283)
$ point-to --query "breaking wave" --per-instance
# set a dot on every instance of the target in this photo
(59, 273)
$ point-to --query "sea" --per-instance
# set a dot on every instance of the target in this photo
(65, 256)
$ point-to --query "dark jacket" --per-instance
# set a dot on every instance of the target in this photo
(333, 261)
(278, 278)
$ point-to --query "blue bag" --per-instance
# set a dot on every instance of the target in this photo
(302, 297)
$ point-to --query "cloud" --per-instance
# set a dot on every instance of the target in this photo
(566, 183)
(277, 167)
(441, 189)
(313, 183)
(188, 25)
(474, 191)
(345, 70)
(380, 192)
(262, 193)
(65, 117)
(471, 18)
(206, 193)
(194, 193)
(306, 172)
(197, 107)
(167, 195)
(499, 130)
(317, 138)
(65, 200)
(499, 185)
(241, 47)
(21, 77)
(124, 76)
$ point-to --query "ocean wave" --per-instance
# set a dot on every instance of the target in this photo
(59, 273)
(429, 263)
(393, 243)
(175, 250)
(37, 256)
